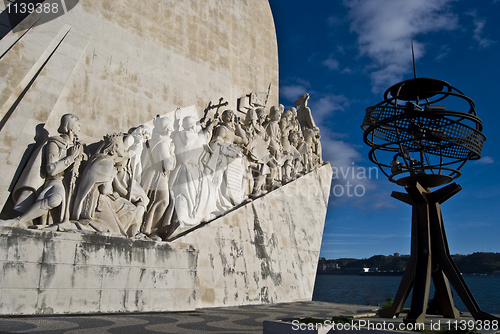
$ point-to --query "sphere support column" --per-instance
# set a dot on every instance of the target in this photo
(430, 259)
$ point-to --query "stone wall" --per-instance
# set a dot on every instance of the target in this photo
(50, 272)
(266, 251)
(263, 252)
(117, 64)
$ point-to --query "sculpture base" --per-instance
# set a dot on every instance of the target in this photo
(263, 252)
(57, 273)
(430, 259)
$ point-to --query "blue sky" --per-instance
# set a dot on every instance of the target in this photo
(345, 54)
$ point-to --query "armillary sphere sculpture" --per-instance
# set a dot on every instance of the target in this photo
(420, 145)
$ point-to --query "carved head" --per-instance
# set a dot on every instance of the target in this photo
(141, 133)
(114, 145)
(302, 100)
(294, 111)
(275, 113)
(287, 115)
(162, 125)
(69, 124)
(261, 114)
(227, 116)
(251, 117)
(189, 123)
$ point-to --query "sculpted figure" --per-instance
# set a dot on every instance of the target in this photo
(317, 149)
(275, 148)
(286, 126)
(192, 188)
(306, 121)
(229, 171)
(124, 183)
(295, 122)
(140, 134)
(257, 152)
(261, 117)
(62, 155)
(304, 115)
(298, 150)
(308, 153)
(159, 160)
(100, 201)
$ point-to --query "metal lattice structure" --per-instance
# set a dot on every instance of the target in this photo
(433, 142)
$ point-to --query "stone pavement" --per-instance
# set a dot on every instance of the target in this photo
(241, 319)
(238, 319)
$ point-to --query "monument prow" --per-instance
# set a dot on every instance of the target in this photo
(164, 174)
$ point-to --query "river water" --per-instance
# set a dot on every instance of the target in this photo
(374, 290)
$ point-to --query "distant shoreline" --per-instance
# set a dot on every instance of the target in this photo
(476, 264)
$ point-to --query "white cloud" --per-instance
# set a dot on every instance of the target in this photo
(443, 52)
(485, 161)
(350, 178)
(327, 105)
(346, 70)
(385, 29)
(331, 63)
(292, 92)
(353, 184)
(478, 31)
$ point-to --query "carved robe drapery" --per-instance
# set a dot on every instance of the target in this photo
(193, 190)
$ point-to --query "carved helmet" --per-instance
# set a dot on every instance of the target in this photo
(68, 122)
(275, 113)
(162, 124)
(188, 122)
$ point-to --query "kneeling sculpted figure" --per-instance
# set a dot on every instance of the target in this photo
(62, 154)
(97, 202)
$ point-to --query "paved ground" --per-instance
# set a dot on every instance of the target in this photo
(242, 319)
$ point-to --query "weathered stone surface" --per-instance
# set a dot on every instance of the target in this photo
(52, 272)
(263, 252)
(117, 64)
(267, 250)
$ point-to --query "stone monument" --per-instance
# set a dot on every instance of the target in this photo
(143, 189)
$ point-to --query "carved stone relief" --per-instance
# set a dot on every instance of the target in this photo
(167, 176)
